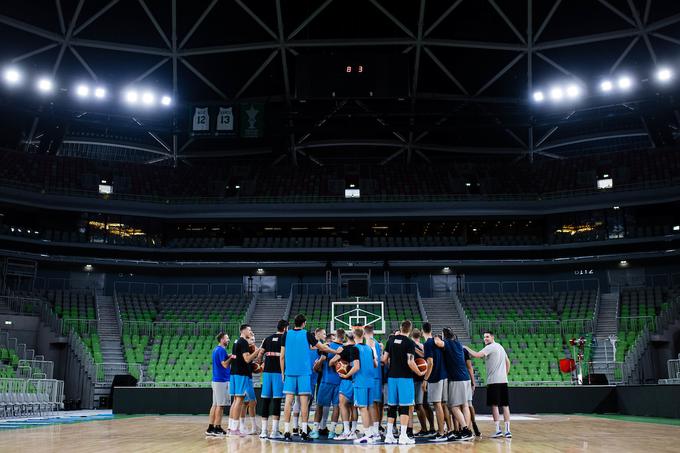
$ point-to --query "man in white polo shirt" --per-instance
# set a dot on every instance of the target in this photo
(497, 369)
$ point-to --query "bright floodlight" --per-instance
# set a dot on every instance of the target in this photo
(539, 96)
(607, 86)
(12, 76)
(573, 91)
(148, 98)
(83, 91)
(100, 92)
(625, 82)
(664, 74)
(556, 94)
(166, 100)
(131, 96)
(45, 85)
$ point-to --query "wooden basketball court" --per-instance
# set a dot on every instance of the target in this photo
(550, 433)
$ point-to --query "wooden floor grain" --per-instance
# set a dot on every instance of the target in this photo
(185, 434)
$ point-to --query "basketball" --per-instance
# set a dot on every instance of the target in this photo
(342, 367)
(252, 348)
(257, 368)
(421, 364)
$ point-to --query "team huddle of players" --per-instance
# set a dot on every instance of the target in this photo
(351, 372)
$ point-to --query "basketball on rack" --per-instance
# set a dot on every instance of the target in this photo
(342, 367)
(421, 364)
(257, 368)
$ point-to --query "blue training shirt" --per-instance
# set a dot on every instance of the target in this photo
(328, 374)
(365, 376)
(220, 374)
(454, 361)
(438, 368)
(297, 359)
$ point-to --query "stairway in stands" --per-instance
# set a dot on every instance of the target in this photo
(443, 312)
(606, 325)
(265, 315)
(109, 337)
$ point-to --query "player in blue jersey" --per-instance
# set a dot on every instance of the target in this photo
(296, 369)
(348, 353)
(250, 401)
(320, 335)
(377, 374)
(363, 375)
(328, 392)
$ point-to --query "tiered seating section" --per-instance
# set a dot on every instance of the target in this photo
(414, 241)
(509, 307)
(292, 242)
(169, 356)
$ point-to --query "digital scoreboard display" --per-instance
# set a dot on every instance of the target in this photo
(352, 75)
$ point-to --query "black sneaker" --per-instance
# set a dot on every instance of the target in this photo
(324, 432)
(409, 432)
(220, 432)
(287, 437)
(465, 434)
(421, 434)
(381, 430)
(432, 433)
(440, 438)
(296, 431)
(305, 437)
(454, 436)
(210, 432)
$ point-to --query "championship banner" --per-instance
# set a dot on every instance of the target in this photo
(252, 120)
(225, 120)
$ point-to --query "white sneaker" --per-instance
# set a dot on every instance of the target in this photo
(389, 439)
(276, 435)
(263, 435)
(405, 440)
(352, 436)
(249, 432)
(376, 437)
(342, 436)
(365, 440)
(496, 435)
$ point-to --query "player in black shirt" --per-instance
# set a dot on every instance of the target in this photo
(349, 354)
(272, 382)
(400, 352)
(241, 375)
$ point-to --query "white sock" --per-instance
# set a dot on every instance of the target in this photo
(295, 422)
(231, 424)
(331, 427)
(345, 426)
(315, 426)
(250, 421)
(241, 424)
(390, 429)
(403, 430)
(263, 425)
(507, 427)
(376, 428)
(498, 426)
(304, 427)
(354, 426)
(287, 426)
(275, 426)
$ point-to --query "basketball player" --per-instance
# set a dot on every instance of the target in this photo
(418, 389)
(348, 353)
(377, 374)
(220, 385)
(329, 389)
(250, 400)
(272, 382)
(320, 335)
(400, 352)
(459, 388)
(363, 376)
(497, 369)
(296, 369)
(471, 372)
(241, 376)
(435, 381)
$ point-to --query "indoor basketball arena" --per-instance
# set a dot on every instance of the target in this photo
(333, 225)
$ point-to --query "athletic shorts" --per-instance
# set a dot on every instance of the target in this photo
(328, 394)
(250, 391)
(347, 389)
(272, 385)
(400, 392)
(363, 396)
(437, 391)
(220, 393)
(418, 392)
(377, 391)
(497, 395)
(297, 385)
(238, 385)
(460, 392)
